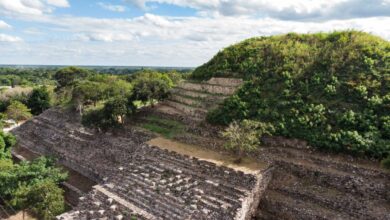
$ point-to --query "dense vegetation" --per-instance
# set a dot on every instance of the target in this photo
(93, 91)
(31, 186)
(20, 106)
(332, 90)
(44, 75)
(105, 100)
(26, 76)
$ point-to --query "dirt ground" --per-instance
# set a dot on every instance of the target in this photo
(19, 216)
(247, 165)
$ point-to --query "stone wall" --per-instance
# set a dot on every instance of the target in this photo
(233, 82)
(208, 88)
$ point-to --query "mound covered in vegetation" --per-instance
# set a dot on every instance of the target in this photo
(332, 90)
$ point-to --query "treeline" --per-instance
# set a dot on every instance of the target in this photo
(26, 77)
(35, 76)
(332, 90)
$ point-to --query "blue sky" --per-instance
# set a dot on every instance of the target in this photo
(165, 32)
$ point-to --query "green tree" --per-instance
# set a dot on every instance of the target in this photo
(18, 111)
(116, 109)
(29, 173)
(88, 92)
(245, 136)
(44, 198)
(68, 76)
(112, 115)
(7, 141)
(150, 90)
(39, 100)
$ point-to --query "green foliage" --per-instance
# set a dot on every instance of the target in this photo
(165, 127)
(18, 111)
(6, 142)
(43, 198)
(332, 90)
(68, 76)
(32, 186)
(112, 115)
(245, 136)
(26, 76)
(150, 86)
(39, 100)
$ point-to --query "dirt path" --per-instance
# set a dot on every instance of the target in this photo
(248, 165)
(19, 216)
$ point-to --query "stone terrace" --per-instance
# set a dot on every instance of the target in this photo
(194, 99)
(139, 180)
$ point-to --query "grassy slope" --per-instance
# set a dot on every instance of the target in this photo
(330, 89)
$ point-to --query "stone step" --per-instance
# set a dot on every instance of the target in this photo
(330, 177)
(280, 206)
(168, 110)
(206, 103)
(188, 110)
(195, 94)
(225, 81)
(208, 88)
(187, 101)
(331, 161)
(301, 188)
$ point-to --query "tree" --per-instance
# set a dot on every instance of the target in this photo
(86, 92)
(116, 109)
(18, 111)
(245, 135)
(43, 198)
(12, 176)
(150, 89)
(112, 115)
(39, 100)
(6, 142)
(68, 76)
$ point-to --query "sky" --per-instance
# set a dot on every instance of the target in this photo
(180, 33)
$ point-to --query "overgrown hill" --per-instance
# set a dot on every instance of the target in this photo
(332, 90)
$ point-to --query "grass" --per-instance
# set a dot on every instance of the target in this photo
(165, 127)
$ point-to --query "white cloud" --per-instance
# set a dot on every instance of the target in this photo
(59, 3)
(116, 8)
(282, 9)
(17, 8)
(168, 41)
(176, 41)
(9, 38)
(21, 7)
(4, 25)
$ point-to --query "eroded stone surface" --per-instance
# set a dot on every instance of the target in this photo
(136, 179)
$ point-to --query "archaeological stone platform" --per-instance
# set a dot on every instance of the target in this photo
(137, 180)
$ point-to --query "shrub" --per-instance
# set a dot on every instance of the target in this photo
(245, 136)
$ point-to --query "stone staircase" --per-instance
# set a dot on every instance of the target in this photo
(314, 185)
(193, 100)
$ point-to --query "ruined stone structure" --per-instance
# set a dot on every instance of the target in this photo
(136, 179)
(139, 181)
(193, 100)
(314, 185)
